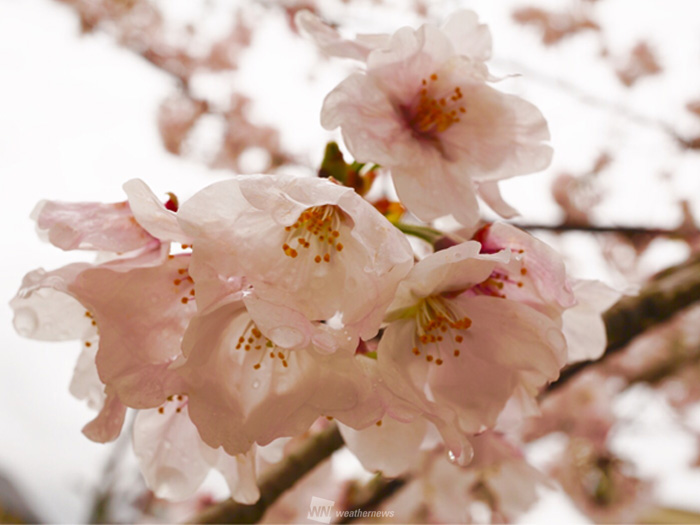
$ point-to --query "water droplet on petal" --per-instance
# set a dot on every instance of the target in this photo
(26, 322)
(286, 336)
(463, 459)
(170, 483)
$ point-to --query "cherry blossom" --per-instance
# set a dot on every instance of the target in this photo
(309, 244)
(175, 461)
(583, 324)
(424, 109)
(545, 285)
(130, 311)
(458, 347)
(601, 484)
(243, 388)
(172, 457)
(389, 446)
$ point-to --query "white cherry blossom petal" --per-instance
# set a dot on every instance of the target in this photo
(167, 447)
(329, 40)
(151, 214)
(491, 195)
(584, 328)
(389, 446)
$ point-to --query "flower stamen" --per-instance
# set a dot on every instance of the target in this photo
(436, 324)
(319, 227)
(434, 115)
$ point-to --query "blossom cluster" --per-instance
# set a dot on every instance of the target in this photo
(266, 303)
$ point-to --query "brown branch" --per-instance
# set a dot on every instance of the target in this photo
(590, 228)
(371, 495)
(276, 480)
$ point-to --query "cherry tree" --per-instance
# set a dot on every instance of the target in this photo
(381, 294)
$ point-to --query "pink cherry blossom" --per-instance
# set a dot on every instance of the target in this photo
(545, 285)
(139, 308)
(424, 109)
(130, 312)
(90, 226)
(305, 243)
(244, 388)
(458, 347)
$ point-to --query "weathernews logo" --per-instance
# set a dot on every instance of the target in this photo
(321, 510)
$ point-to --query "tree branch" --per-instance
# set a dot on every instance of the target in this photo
(276, 480)
(371, 495)
(590, 228)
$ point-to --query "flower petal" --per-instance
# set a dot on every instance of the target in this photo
(91, 226)
(151, 214)
(389, 448)
(584, 328)
(167, 447)
(109, 421)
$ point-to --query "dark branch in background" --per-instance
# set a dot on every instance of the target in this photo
(276, 480)
(668, 293)
(371, 495)
(589, 228)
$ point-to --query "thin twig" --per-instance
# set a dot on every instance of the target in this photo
(276, 480)
(590, 228)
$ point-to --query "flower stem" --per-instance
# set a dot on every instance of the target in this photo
(276, 480)
(429, 235)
